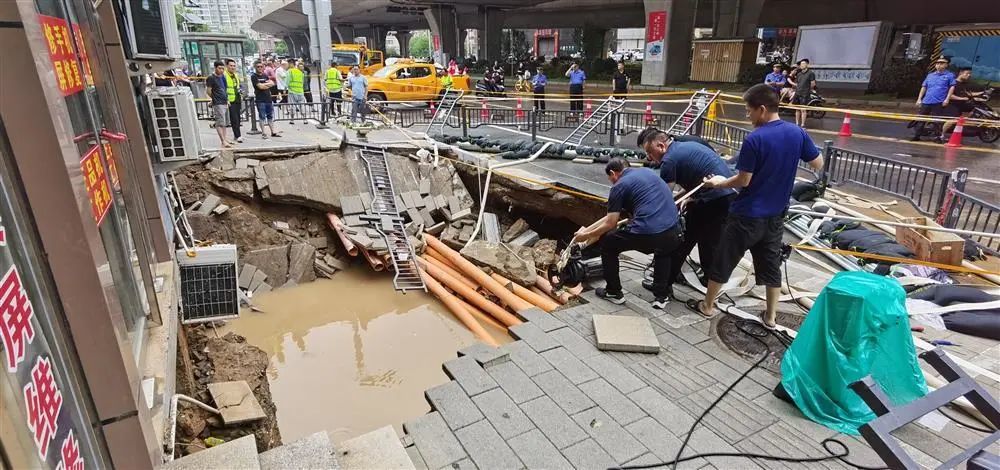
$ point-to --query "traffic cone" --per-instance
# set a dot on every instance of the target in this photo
(956, 134)
(587, 109)
(520, 110)
(649, 112)
(845, 128)
(431, 111)
(484, 113)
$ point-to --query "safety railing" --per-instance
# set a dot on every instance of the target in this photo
(968, 212)
(922, 186)
(725, 135)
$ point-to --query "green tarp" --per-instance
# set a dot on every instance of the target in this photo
(858, 327)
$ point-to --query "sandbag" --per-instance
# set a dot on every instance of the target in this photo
(857, 327)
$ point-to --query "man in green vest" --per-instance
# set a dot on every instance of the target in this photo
(233, 91)
(445, 79)
(296, 89)
(334, 86)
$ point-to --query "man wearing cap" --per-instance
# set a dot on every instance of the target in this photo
(934, 93)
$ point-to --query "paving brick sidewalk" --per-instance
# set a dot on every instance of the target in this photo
(552, 400)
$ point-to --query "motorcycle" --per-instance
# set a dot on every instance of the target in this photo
(814, 100)
(980, 110)
(490, 89)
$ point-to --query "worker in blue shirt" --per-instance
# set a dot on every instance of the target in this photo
(934, 93)
(766, 166)
(652, 227)
(776, 79)
(688, 164)
(576, 79)
(538, 83)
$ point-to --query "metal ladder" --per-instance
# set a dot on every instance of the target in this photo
(390, 223)
(600, 114)
(696, 108)
(443, 112)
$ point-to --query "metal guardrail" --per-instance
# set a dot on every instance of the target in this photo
(923, 186)
(968, 212)
(726, 135)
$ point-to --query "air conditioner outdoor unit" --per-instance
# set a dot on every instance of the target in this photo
(209, 288)
(151, 30)
(175, 124)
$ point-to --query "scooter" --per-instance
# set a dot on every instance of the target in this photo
(814, 100)
(980, 110)
(490, 89)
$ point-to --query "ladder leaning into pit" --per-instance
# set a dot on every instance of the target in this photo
(445, 106)
(697, 107)
(601, 114)
(389, 223)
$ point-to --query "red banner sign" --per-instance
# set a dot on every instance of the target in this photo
(656, 26)
(58, 40)
(437, 42)
(97, 184)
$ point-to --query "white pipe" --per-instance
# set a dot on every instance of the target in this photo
(171, 437)
(486, 186)
(896, 224)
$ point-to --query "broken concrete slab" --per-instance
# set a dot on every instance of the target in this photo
(300, 263)
(424, 186)
(429, 203)
(263, 287)
(625, 333)
(246, 275)
(251, 162)
(465, 234)
(241, 164)
(257, 279)
(338, 263)
(528, 238)
(380, 448)
(354, 220)
(272, 261)
(426, 216)
(454, 205)
(316, 180)
(366, 199)
(361, 240)
(351, 205)
(415, 216)
(220, 209)
(236, 402)
(491, 227)
(544, 252)
(517, 228)
(239, 453)
(314, 451)
(260, 178)
(238, 174)
(319, 242)
(502, 260)
(461, 214)
(208, 204)
(240, 189)
(281, 225)
(435, 229)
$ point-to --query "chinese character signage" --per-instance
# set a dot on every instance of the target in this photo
(16, 330)
(58, 40)
(112, 166)
(656, 31)
(96, 182)
(843, 75)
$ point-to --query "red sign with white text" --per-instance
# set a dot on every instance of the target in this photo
(96, 181)
(59, 40)
(656, 26)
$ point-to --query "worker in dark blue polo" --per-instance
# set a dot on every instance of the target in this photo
(652, 227)
(687, 164)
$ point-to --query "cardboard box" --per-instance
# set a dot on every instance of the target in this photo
(937, 247)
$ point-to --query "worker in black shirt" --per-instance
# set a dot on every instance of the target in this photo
(645, 133)
(620, 82)
(687, 164)
(960, 101)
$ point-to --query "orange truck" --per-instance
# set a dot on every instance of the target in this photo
(346, 56)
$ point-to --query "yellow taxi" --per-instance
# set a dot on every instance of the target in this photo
(408, 80)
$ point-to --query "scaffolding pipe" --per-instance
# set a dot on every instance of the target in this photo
(896, 224)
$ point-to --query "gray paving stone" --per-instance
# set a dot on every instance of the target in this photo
(464, 464)
(553, 422)
(588, 454)
(455, 406)
(537, 452)
(610, 435)
(502, 413)
(437, 444)
(726, 375)
(416, 458)
(526, 358)
(238, 453)
(578, 318)
(380, 448)
(681, 351)
(781, 439)
(655, 437)
(571, 367)
(674, 379)
(514, 382)
(645, 459)
(485, 355)
(668, 414)
(486, 449)
(578, 345)
(562, 391)
(692, 334)
(542, 319)
(734, 418)
(615, 373)
(470, 375)
(625, 333)
(613, 402)
(534, 336)
(705, 441)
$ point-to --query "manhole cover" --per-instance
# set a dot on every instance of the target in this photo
(747, 347)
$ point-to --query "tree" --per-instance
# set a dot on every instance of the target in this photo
(514, 44)
(420, 45)
(249, 46)
(280, 48)
(182, 22)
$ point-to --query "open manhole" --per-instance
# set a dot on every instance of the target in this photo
(747, 347)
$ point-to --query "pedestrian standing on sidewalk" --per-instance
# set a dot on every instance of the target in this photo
(359, 93)
(296, 90)
(776, 79)
(766, 166)
(307, 81)
(334, 85)
(805, 83)
(281, 79)
(216, 84)
(688, 164)
(620, 82)
(934, 93)
(538, 83)
(653, 227)
(234, 93)
(262, 86)
(576, 80)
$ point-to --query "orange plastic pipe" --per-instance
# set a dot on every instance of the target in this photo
(377, 263)
(457, 309)
(457, 275)
(546, 287)
(433, 253)
(338, 226)
(542, 302)
(470, 295)
(481, 316)
(478, 275)
(542, 293)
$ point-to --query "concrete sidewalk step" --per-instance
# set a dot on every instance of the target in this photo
(313, 452)
(379, 449)
(240, 454)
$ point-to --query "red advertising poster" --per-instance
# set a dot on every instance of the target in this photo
(97, 184)
(656, 31)
(59, 40)
(437, 42)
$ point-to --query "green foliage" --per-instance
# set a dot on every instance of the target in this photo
(900, 77)
(514, 43)
(420, 45)
(249, 46)
(596, 69)
(592, 41)
(753, 74)
(183, 24)
(280, 48)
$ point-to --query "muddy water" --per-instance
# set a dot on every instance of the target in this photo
(350, 355)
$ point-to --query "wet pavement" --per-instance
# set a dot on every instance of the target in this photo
(349, 354)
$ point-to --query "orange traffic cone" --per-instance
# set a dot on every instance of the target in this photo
(649, 112)
(956, 134)
(484, 113)
(587, 109)
(845, 128)
(520, 111)
(431, 111)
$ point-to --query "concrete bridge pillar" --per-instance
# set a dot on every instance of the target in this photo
(376, 37)
(669, 30)
(403, 38)
(444, 33)
(343, 34)
(737, 18)
(490, 34)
